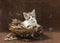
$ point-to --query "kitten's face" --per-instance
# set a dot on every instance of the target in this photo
(29, 15)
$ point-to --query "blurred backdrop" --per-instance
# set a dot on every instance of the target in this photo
(47, 12)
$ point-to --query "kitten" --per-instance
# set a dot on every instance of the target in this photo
(30, 19)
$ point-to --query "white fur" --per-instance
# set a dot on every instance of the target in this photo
(31, 23)
(29, 20)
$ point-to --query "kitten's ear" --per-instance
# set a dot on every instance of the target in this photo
(33, 12)
(25, 15)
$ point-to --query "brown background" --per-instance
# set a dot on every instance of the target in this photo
(47, 11)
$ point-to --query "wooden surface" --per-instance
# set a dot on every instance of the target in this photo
(54, 37)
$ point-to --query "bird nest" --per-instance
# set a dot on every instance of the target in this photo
(17, 29)
(22, 30)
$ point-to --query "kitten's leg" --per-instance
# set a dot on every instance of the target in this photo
(10, 36)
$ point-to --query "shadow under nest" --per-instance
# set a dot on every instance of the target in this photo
(35, 38)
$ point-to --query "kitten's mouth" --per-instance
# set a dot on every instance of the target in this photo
(31, 19)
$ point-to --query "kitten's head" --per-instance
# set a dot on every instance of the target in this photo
(29, 15)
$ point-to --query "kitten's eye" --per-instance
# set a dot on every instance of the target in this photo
(33, 16)
(29, 17)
